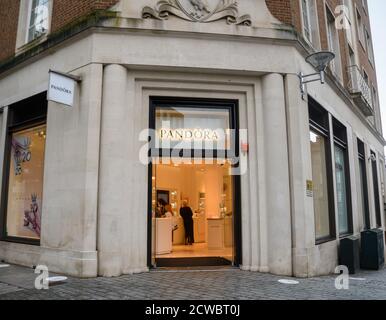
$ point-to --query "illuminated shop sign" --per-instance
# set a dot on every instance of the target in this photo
(190, 134)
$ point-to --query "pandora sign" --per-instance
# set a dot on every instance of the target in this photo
(61, 88)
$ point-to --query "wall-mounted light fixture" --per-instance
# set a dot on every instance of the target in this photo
(319, 61)
(373, 158)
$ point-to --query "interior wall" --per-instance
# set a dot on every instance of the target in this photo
(189, 181)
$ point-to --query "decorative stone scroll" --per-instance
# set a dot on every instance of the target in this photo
(203, 11)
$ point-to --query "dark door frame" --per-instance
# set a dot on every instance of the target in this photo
(233, 107)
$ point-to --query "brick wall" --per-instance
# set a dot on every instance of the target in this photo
(281, 9)
(362, 51)
(66, 11)
(287, 11)
(63, 12)
(8, 28)
(364, 62)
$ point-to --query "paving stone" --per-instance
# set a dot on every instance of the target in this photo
(186, 285)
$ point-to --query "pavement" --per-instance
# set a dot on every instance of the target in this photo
(17, 283)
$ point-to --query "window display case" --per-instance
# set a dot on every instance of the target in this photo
(201, 202)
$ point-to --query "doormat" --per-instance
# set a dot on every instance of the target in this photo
(192, 262)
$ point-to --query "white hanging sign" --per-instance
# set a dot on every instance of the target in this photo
(61, 88)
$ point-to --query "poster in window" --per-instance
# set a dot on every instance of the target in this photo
(25, 186)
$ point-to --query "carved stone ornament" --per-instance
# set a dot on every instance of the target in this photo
(198, 11)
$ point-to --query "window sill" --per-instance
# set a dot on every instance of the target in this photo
(26, 46)
(346, 235)
(17, 240)
(325, 240)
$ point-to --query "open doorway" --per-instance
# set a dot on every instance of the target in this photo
(194, 207)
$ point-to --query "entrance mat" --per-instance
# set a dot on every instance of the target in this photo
(193, 262)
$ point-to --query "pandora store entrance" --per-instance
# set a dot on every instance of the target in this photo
(194, 207)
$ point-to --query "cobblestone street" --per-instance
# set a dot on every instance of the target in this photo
(17, 283)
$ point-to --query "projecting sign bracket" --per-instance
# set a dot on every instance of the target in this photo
(71, 76)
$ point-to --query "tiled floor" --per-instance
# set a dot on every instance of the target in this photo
(197, 250)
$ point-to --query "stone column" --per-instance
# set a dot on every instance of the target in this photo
(303, 230)
(70, 187)
(123, 180)
(277, 176)
(113, 171)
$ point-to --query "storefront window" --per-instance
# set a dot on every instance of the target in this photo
(25, 185)
(320, 184)
(341, 191)
(321, 161)
(376, 190)
(363, 185)
(22, 190)
(342, 178)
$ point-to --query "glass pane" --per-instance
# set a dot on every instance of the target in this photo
(363, 193)
(306, 19)
(192, 128)
(376, 193)
(38, 23)
(341, 192)
(26, 183)
(319, 176)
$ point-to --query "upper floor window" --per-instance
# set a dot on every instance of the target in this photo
(366, 77)
(310, 22)
(369, 45)
(360, 27)
(333, 43)
(364, 5)
(348, 20)
(38, 19)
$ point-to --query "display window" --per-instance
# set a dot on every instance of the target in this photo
(323, 189)
(22, 189)
(342, 179)
(25, 186)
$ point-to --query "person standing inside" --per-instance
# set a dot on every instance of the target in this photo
(187, 215)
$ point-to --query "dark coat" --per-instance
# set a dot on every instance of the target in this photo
(187, 215)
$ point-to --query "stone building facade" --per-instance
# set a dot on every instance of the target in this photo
(75, 195)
